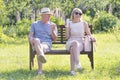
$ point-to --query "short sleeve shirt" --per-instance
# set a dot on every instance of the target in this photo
(43, 31)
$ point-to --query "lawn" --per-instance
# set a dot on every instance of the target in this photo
(14, 62)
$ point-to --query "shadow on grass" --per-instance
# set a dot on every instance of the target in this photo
(18, 42)
(30, 75)
(115, 70)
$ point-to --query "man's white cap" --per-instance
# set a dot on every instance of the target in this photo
(45, 11)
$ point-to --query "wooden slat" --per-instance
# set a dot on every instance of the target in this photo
(64, 52)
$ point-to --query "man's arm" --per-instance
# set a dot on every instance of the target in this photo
(30, 37)
(54, 34)
(67, 32)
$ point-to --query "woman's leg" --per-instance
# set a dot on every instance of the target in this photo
(76, 51)
(74, 54)
(72, 58)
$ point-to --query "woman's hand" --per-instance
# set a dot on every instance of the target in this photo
(93, 39)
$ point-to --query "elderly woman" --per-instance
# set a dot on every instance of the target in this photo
(75, 31)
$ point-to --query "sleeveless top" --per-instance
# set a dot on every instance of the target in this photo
(76, 29)
(76, 34)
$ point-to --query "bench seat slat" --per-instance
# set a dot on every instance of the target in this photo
(64, 52)
(57, 52)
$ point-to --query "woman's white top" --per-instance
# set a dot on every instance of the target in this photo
(77, 32)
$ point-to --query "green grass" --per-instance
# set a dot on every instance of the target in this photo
(14, 62)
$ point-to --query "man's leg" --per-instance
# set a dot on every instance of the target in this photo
(39, 49)
(39, 67)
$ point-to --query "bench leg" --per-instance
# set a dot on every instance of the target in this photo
(91, 59)
(30, 63)
(31, 58)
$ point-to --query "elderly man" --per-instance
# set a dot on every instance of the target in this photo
(41, 34)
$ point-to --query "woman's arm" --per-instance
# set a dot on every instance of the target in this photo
(67, 32)
(87, 30)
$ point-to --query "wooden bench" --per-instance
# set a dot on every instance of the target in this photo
(62, 40)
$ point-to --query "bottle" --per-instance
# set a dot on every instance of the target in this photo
(67, 22)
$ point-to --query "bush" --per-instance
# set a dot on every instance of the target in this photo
(22, 27)
(3, 37)
(10, 31)
(105, 22)
(86, 18)
(57, 21)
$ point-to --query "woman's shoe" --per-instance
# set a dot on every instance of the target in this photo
(78, 66)
(72, 72)
(39, 72)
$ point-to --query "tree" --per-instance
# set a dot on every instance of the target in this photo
(2, 12)
(116, 7)
(15, 9)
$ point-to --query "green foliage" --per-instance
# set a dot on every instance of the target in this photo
(10, 31)
(11, 13)
(57, 21)
(86, 18)
(116, 8)
(16, 15)
(3, 12)
(53, 19)
(22, 27)
(105, 22)
(3, 38)
(90, 12)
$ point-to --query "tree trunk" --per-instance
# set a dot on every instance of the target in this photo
(17, 16)
(110, 9)
(36, 14)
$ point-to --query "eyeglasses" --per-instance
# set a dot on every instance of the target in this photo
(76, 13)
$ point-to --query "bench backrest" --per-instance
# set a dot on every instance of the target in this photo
(61, 34)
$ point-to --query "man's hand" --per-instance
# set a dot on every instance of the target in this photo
(31, 39)
(54, 37)
(52, 27)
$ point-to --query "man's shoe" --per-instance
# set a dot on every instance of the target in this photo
(42, 59)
